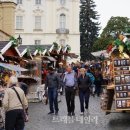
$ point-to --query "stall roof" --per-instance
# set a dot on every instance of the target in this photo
(98, 53)
(32, 48)
(5, 45)
(22, 48)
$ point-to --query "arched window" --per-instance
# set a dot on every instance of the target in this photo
(62, 21)
(62, 2)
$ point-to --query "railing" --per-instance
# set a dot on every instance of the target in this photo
(62, 31)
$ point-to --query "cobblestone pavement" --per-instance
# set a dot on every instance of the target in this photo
(95, 120)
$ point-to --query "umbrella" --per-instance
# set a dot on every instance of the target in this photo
(12, 67)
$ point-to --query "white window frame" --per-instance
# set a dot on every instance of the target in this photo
(19, 22)
(37, 42)
(62, 2)
(62, 21)
(19, 1)
(38, 22)
(38, 2)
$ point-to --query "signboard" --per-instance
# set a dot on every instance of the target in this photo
(122, 83)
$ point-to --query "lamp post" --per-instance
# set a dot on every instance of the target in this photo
(19, 40)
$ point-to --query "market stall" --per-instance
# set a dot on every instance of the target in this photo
(116, 72)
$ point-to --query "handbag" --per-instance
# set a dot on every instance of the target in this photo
(26, 119)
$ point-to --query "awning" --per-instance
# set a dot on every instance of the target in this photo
(50, 58)
(99, 53)
(71, 55)
(12, 67)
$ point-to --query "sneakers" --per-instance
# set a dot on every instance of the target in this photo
(69, 114)
(50, 113)
(73, 114)
(56, 113)
(82, 113)
(87, 111)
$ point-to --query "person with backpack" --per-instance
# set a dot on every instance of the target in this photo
(92, 79)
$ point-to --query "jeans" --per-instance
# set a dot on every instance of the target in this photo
(53, 101)
(70, 99)
(98, 90)
(84, 99)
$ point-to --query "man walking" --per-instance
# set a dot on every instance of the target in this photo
(52, 83)
(70, 82)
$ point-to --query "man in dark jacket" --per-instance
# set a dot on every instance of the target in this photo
(52, 83)
(61, 69)
(84, 84)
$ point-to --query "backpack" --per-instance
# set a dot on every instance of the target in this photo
(92, 78)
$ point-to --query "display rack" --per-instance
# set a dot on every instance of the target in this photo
(122, 84)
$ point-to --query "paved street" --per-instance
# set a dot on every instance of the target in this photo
(97, 120)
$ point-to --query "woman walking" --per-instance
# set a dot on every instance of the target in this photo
(84, 84)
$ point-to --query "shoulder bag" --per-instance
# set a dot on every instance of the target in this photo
(25, 114)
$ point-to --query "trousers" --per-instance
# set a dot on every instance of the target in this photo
(70, 99)
(84, 99)
(14, 119)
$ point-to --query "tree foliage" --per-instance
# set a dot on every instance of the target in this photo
(89, 28)
(115, 24)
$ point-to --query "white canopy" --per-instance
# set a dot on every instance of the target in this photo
(99, 53)
(12, 67)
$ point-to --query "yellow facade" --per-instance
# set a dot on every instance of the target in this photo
(7, 17)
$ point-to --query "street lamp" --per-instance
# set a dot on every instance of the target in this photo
(19, 40)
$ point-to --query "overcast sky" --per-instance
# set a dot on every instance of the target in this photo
(108, 8)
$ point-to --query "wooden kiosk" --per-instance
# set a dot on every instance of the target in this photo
(116, 93)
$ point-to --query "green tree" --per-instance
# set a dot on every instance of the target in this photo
(89, 28)
(115, 24)
(101, 43)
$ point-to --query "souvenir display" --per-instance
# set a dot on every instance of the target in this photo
(122, 83)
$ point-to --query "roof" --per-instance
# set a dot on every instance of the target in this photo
(2, 2)
(21, 48)
(33, 48)
(3, 44)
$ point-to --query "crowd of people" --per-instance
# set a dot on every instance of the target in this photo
(79, 78)
(82, 78)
